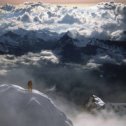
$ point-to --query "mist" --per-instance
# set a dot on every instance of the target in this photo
(75, 82)
(106, 120)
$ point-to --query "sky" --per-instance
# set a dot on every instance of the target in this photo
(59, 1)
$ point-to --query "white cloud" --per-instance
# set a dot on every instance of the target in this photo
(119, 35)
(102, 20)
(26, 18)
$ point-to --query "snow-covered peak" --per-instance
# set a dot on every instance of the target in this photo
(98, 101)
(19, 107)
(95, 103)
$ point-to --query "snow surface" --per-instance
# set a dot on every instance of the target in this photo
(19, 107)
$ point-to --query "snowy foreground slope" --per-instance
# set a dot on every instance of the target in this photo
(19, 107)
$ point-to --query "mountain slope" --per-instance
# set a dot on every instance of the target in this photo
(19, 107)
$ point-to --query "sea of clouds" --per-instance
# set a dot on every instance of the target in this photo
(102, 21)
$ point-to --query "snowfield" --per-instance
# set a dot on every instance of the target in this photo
(19, 107)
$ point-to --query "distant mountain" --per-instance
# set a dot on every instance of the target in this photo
(71, 46)
(95, 104)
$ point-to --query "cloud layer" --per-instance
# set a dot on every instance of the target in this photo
(99, 21)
